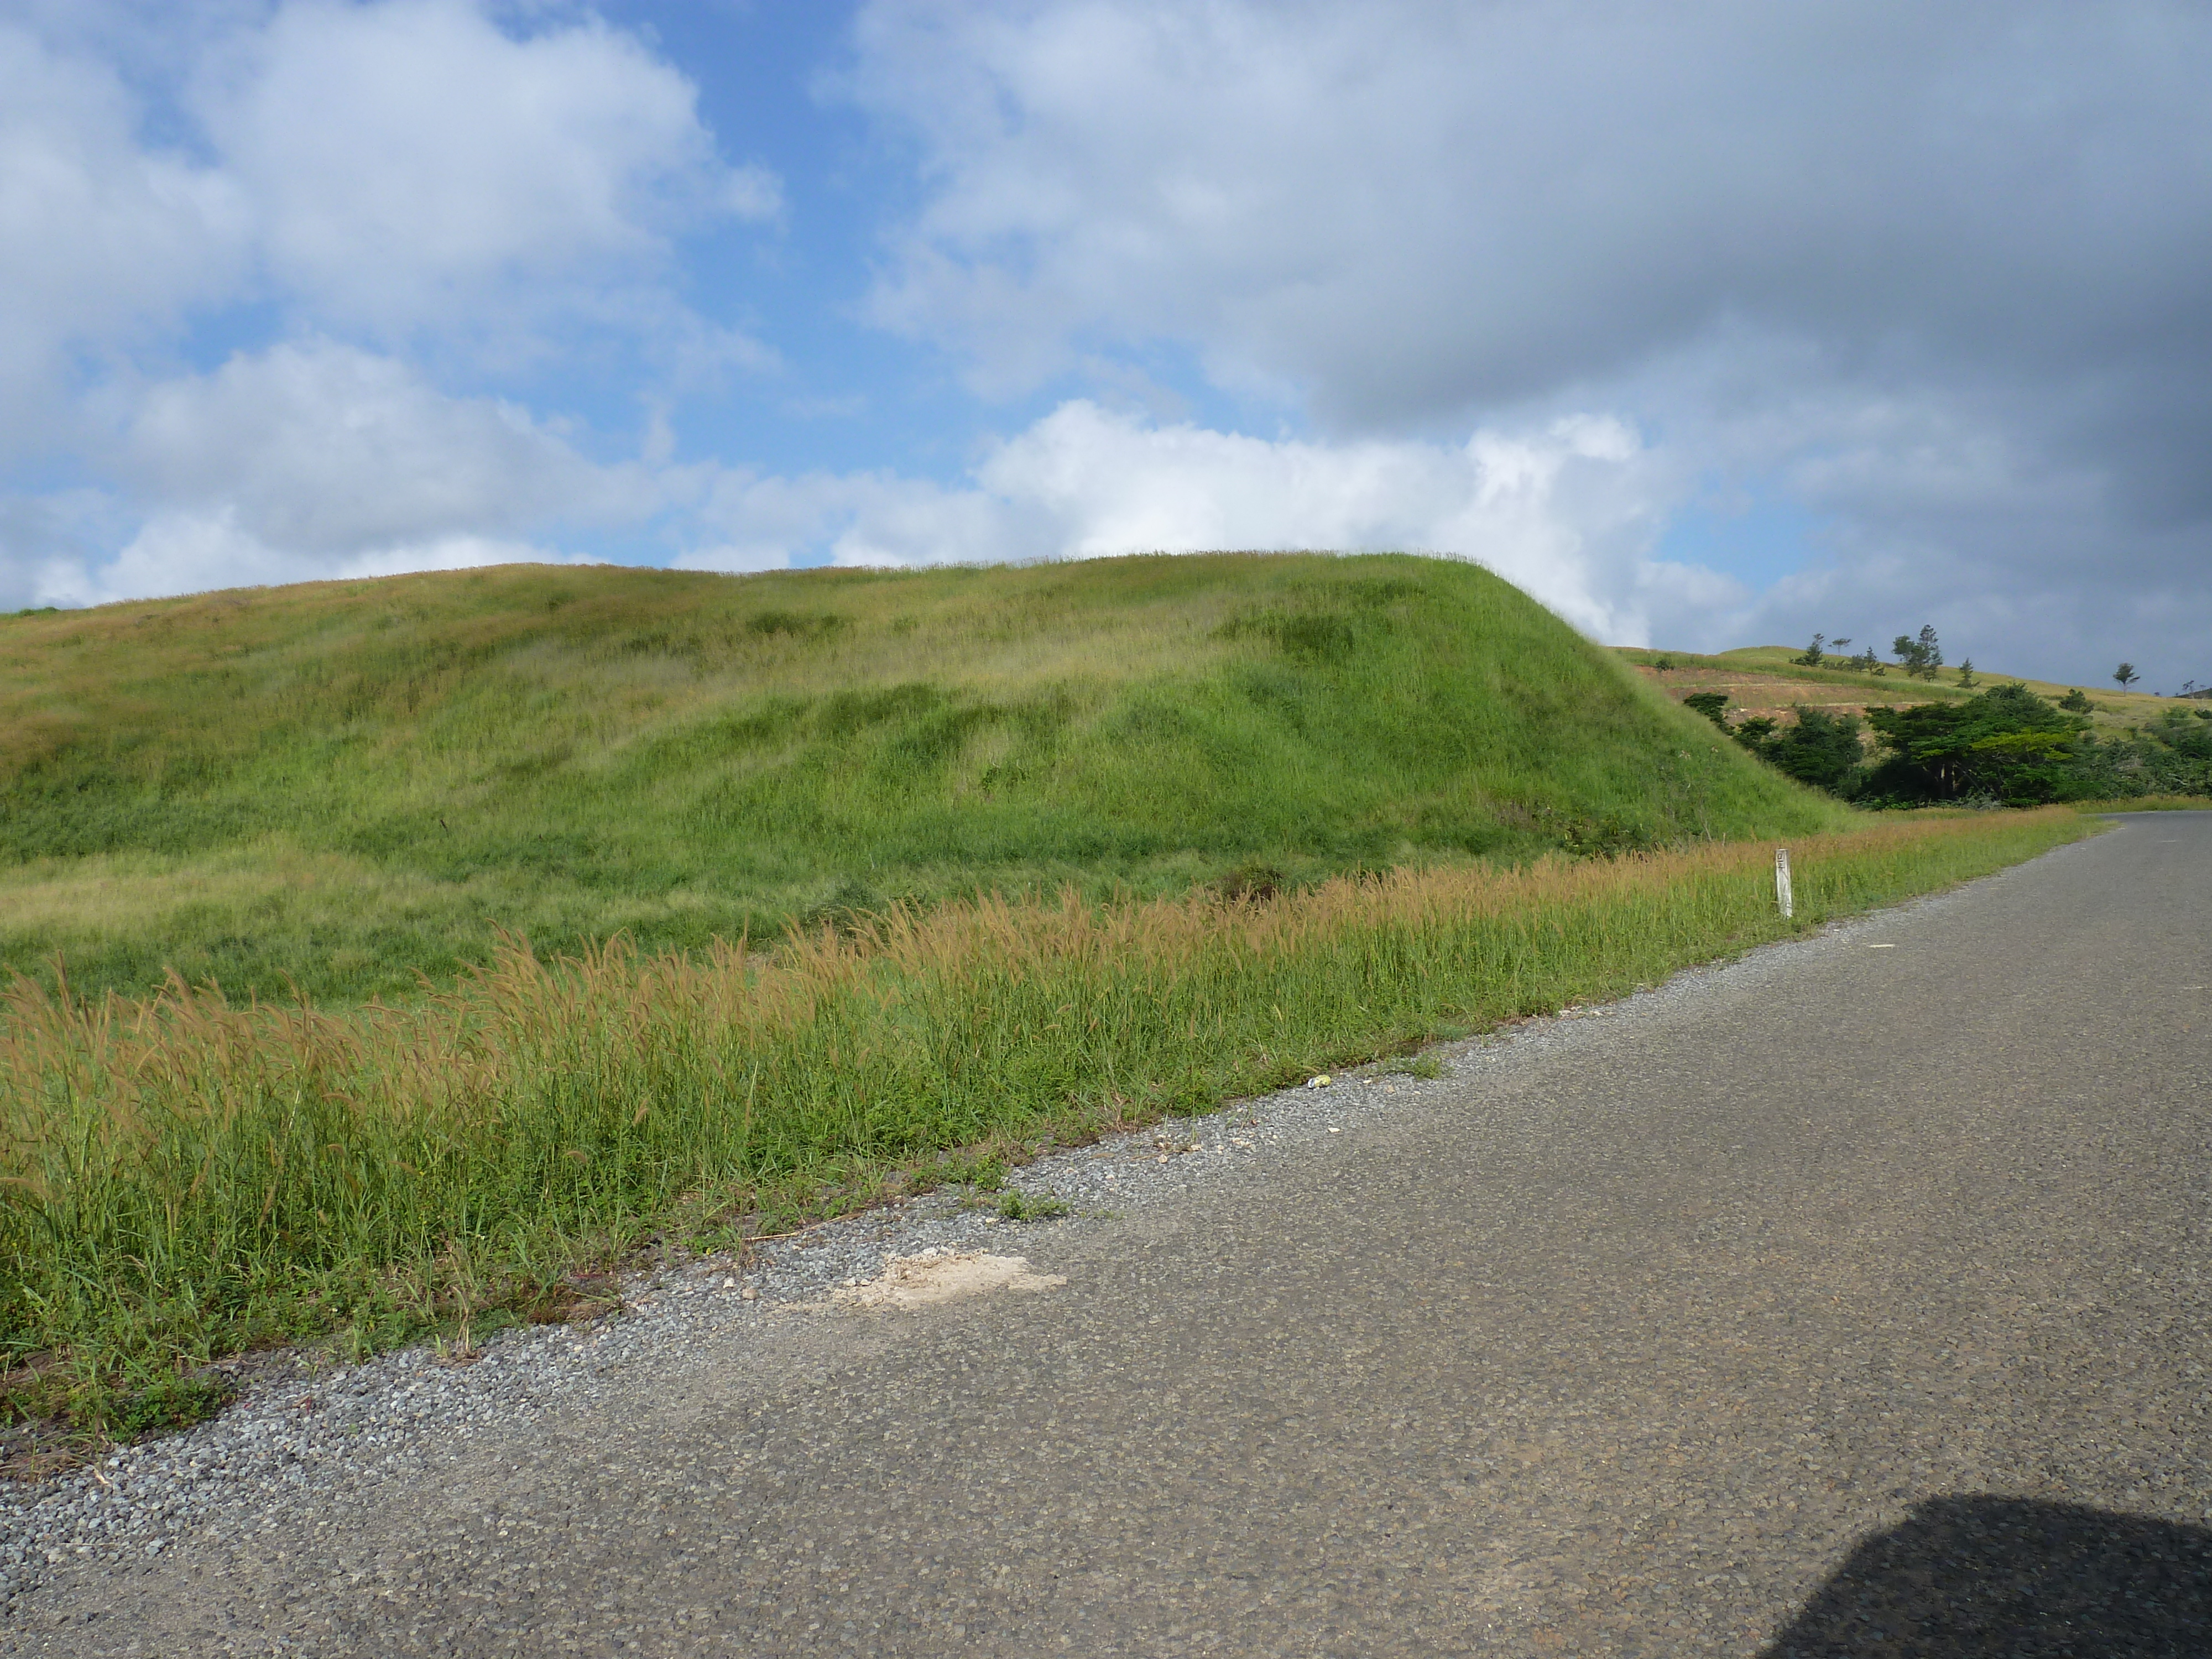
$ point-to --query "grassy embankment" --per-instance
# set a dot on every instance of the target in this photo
(341, 785)
(189, 1178)
(186, 1176)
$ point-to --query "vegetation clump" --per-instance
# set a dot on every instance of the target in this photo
(2005, 747)
(1920, 656)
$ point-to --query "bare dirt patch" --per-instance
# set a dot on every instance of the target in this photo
(942, 1275)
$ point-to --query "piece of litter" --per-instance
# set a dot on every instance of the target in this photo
(1882, 947)
(1333, 1130)
(1320, 1082)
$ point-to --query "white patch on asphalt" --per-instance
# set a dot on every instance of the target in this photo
(943, 1275)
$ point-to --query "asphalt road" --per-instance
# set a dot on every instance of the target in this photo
(1851, 1301)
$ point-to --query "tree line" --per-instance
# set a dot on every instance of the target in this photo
(1920, 655)
(2006, 746)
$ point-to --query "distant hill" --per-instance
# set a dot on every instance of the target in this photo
(1763, 679)
(344, 785)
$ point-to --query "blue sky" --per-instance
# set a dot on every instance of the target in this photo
(1709, 323)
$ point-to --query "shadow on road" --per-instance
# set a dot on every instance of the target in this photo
(1985, 1577)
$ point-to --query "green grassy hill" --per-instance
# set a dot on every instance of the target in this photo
(341, 785)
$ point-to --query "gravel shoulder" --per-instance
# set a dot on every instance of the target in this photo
(1736, 1272)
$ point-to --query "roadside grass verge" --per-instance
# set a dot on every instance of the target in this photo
(184, 1178)
(2148, 804)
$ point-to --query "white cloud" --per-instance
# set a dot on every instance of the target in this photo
(1411, 206)
(319, 460)
(102, 238)
(390, 168)
(408, 161)
(748, 521)
(328, 449)
(1918, 267)
(1565, 511)
(186, 552)
(351, 191)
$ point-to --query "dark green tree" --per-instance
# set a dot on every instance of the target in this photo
(2126, 674)
(2008, 743)
(1920, 658)
(1713, 705)
(2075, 701)
(1821, 748)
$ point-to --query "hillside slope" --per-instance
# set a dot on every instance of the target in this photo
(347, 784)
(1765, 679)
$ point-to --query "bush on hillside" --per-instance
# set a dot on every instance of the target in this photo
(1920, 658)
(2173, 756)
(2012, 747)
(1823, 749)
(2006, 747)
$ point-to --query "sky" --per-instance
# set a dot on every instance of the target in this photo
(1709, 322)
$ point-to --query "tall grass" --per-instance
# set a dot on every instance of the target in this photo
(184, 1176)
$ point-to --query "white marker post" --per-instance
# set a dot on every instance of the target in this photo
(1782, 895)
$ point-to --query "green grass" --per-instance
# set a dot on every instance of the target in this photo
(188, 1178)
(344, 787)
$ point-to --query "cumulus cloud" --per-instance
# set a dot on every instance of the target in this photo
(1413, 206)
(1800, 243)
(397, 167)
(352, 192)
(103, 237)
(188, 552)
(407, 161)
(327, 449)
(1565, 511)
(319, 459)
